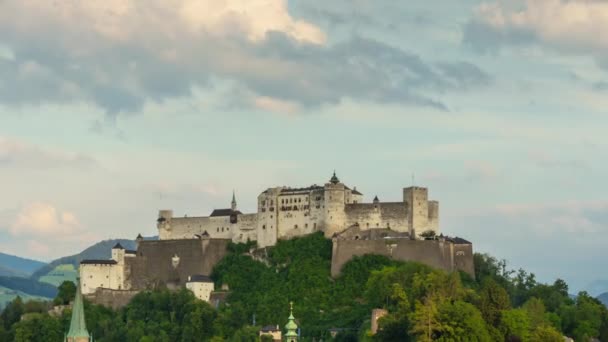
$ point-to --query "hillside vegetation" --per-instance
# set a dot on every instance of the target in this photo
(424, 304)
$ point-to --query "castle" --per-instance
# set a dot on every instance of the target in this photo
(189, 247)
(284, 213)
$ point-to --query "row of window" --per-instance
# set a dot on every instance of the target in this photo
(227, 229)
(293, 200)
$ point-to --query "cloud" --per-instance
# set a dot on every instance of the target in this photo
(547, 161)
(480, 171)
(16, 153)
(122, 54)
(569, 26)
(43, 219)
(569, 217)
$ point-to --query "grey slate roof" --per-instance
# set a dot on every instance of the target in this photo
(98, 262)
(224, 212)
(199, 278)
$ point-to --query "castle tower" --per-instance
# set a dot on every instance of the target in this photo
(78, 329)
(118, 253)
(334, 206)
(233, 203)
(291, 326)
(416, 202)
(163, 223)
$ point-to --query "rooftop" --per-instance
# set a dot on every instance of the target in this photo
(200, 278)
(98, 262)
(224, 212)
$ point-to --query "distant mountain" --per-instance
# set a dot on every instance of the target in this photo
(603, 298)
(29, 286)
(11, 265)
(597, 287)
(100, 250)
(7, 295)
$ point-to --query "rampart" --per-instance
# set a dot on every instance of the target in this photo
(448, 255)
(114, 299)
(170, 262)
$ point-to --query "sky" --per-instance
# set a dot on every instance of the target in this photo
(110, 111)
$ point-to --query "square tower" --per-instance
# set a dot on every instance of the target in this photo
(416, 201)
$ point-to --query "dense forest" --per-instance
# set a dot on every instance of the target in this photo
(423, 304)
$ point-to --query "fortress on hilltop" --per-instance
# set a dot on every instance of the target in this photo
(189, 247)
(285, 212)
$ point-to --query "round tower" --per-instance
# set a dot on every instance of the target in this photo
(335, 217)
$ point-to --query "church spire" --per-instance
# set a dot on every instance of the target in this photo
(233, 203)
(291, 326)
(78, 328)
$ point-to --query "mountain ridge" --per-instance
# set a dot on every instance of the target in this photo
(12, 265)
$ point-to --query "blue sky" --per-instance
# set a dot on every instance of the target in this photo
(111, 111)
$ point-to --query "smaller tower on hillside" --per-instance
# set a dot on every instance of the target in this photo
(233, 203)
(78, 329)
(291, 326)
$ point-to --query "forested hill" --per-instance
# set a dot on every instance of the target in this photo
(423, 304)
(100, 250)
(11, 265)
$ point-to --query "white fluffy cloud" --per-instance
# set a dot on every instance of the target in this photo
(124, 54)
(43, 219)
(571, 26)
(132, 20)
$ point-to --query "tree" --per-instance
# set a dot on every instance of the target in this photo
(492, 300)
(425, 324)
(462, 321)
(38, 328)
(536, 312)
(65, 293)
(515, 324)
(546, 334)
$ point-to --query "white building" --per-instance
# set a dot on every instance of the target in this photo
(201, 286)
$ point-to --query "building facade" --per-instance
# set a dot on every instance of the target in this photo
(285, 212)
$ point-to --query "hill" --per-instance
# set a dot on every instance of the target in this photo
(29, 286)
(7, 295)
(100, 250)
(60, 274)
(11, 265)
(603, 298)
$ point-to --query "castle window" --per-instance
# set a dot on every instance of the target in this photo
(271, 202)
(367, 224)
(315, 225)
(218, 229)
(222, 229)
(377, 224)
(263, 226)
(305, 225)
(295, 226)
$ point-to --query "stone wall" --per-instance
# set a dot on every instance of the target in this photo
(445, 255)
(377, 215)
(156, 264)
(114, 299)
